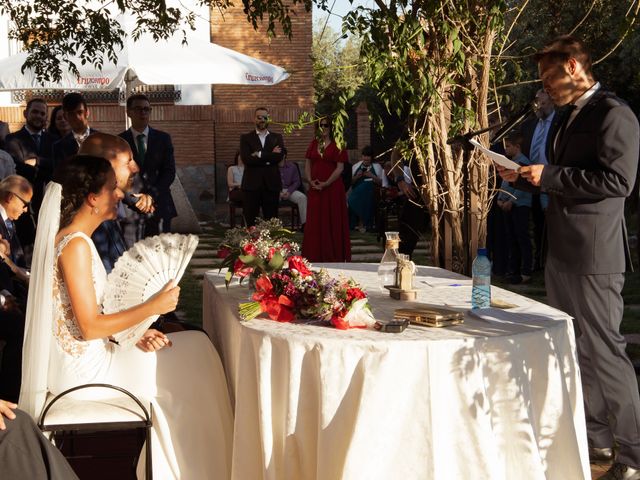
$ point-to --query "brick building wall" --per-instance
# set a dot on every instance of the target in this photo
(235, 104)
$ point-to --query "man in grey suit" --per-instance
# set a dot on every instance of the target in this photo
(593, 158)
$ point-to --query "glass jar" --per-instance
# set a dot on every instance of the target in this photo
(387, 267)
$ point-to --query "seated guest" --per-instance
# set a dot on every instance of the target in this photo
(7, 165)
(234, 178)
(58, 124)
(25, 452)
(291, 184)
(15, 199)
(366, 175)
(516, 205)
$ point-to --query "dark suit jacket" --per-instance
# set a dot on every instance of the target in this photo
(261, 173)
(21, 146)
(158, 171)
(109, 242)
(8, 281)
(17, 254)
(590, 172)
(65, 148)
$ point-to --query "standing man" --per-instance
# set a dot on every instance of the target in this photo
(536, 140)
(77, 114)
(592, 168)
(261, 152)
(31, 148)
(153, 152)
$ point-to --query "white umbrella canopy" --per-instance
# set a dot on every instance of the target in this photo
(151, 62)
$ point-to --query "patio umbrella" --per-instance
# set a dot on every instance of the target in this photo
(151, 62)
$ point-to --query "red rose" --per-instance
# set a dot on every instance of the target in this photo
(297, 263)
(355, 294)
(272, 251)
(223, 252)
(249, 249)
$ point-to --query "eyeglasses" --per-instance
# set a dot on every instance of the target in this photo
(142, 109)
(262, 117)
(25, 205)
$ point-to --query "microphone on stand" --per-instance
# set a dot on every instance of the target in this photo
(515, 120)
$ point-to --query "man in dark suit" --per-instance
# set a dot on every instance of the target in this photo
(261, 152)
(31, 148)
(15, 196)
(153, 152)
(535, 143)
(592, 167)
(77, 114)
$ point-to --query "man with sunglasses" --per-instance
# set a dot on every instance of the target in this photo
(261, 152)
(153, 152)
(15, 197)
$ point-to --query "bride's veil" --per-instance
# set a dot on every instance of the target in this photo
(38, 334)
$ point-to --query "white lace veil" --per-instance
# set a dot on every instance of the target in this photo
(38, 333)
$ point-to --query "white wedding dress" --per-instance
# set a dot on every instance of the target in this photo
(192, 424)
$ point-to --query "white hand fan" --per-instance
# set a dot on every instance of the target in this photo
(141, 272)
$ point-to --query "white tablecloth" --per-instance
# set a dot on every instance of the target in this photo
(494, 398)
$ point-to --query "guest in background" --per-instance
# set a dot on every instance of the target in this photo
(77, 114)
(7, 165)
(516, 205)
(15, 195)
(58, 124)
(366, 176)
(234, 178)
(326, 233)
(4, 131)
(31, 148)
(535, 144)
(291, 187)
(153, 152)
(261, 152)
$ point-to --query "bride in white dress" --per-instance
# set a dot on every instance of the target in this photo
(192, 425)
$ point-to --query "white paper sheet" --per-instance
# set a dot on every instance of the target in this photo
(496, 157)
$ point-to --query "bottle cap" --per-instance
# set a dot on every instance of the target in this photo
(482, 251)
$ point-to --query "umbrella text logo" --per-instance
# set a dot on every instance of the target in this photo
(96, 82)
(258, 78)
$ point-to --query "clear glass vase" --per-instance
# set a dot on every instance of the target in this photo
(387, 267)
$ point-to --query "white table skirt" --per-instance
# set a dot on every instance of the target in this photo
(490, 399)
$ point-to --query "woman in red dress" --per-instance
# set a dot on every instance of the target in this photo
(326, 233)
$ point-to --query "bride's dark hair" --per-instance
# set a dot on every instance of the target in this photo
(80, 176)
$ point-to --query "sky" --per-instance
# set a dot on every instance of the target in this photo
(340, 8)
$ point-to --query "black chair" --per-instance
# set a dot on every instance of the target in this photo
(72, 416)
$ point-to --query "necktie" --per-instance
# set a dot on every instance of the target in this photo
(566, 115)
(141, 150)
(10, 228)
(36, 139)
(538, 143)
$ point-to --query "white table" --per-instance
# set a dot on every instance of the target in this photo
(490, 399)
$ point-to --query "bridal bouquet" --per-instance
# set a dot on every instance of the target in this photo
(296, 292)
(254, 251)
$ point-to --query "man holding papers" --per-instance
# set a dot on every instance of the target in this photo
(593, 158)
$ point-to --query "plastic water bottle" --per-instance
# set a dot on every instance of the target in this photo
(389, 262)
(481, 274)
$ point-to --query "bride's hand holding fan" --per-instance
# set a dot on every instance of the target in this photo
(165, 300)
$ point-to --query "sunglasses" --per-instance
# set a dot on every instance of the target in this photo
(262, 117)
(25, 205)
(142, 109)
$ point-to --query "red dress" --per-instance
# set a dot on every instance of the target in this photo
(326, 233)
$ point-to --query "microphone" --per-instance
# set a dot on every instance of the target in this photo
(515, 120)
